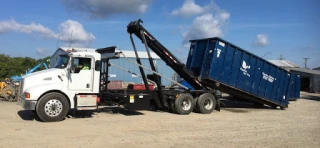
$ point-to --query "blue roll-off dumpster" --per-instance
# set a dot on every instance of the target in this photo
(230, 69)
(295, 87)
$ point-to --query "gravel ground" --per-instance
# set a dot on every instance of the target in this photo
(237, 125)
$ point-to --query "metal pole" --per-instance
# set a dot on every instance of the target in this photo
(144, 78)
(281, 58)
(70, 39)
(58, 42)
(266, 54)
(305, 62)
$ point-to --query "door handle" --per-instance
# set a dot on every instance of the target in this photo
(88, 85)
(60, 77)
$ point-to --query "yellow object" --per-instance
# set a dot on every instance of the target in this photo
(177, 96)
(6, 90)
(9, 92)
(131, 98)
(85, 66)
(2, 85)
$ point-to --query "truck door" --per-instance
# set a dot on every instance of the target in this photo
(81, 77)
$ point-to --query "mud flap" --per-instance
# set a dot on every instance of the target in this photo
(218, 95)
(218, 104)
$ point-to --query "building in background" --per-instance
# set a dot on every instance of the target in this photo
(119, 74)
(284, 64)
(318, 68)
(310, 79)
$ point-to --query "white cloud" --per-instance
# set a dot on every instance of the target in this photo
(190, 8)
(206, 25)
(265, 25)
(42, 52)
(261, 40)
(105, 8)
(12, 25)
(79, 34)
(209, 21)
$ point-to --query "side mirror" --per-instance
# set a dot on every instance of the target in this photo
(72, 66)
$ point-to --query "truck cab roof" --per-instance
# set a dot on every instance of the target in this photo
(97, 56)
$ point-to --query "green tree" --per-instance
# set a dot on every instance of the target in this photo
(18, 65)
(3, 70)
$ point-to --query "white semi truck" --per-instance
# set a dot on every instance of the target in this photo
(79, 82)
(51, 92)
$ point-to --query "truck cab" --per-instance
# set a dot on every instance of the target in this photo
(72, 83)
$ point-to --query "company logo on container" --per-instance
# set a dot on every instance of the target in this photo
(244, 68)
(218, 52)
(244, 65)
(268, 77)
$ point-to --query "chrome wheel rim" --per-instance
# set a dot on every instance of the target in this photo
(53, 108)
(186, 104)
(208, 104)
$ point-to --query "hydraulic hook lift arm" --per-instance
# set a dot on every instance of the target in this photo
(136, 28)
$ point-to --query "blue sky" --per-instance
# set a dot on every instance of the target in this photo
(287, 27)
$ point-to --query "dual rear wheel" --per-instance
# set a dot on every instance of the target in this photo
(206, 103)
(185, 104)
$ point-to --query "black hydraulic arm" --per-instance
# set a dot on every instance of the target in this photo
(136, 28)
(144, 78)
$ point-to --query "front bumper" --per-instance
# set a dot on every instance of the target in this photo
(27, 104)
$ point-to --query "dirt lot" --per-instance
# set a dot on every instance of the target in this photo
(237, 125)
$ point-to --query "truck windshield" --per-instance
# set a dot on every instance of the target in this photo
(62, 61)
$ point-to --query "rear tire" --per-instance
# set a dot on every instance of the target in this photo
(196, 110)
(206, 103)
(184, 104)
(52, 107)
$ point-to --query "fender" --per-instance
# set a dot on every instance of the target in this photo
(37, 91)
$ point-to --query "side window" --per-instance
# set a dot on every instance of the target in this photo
(82, 64)
(98, 66)
(76, 62)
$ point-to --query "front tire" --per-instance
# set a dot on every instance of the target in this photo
(52, 107)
